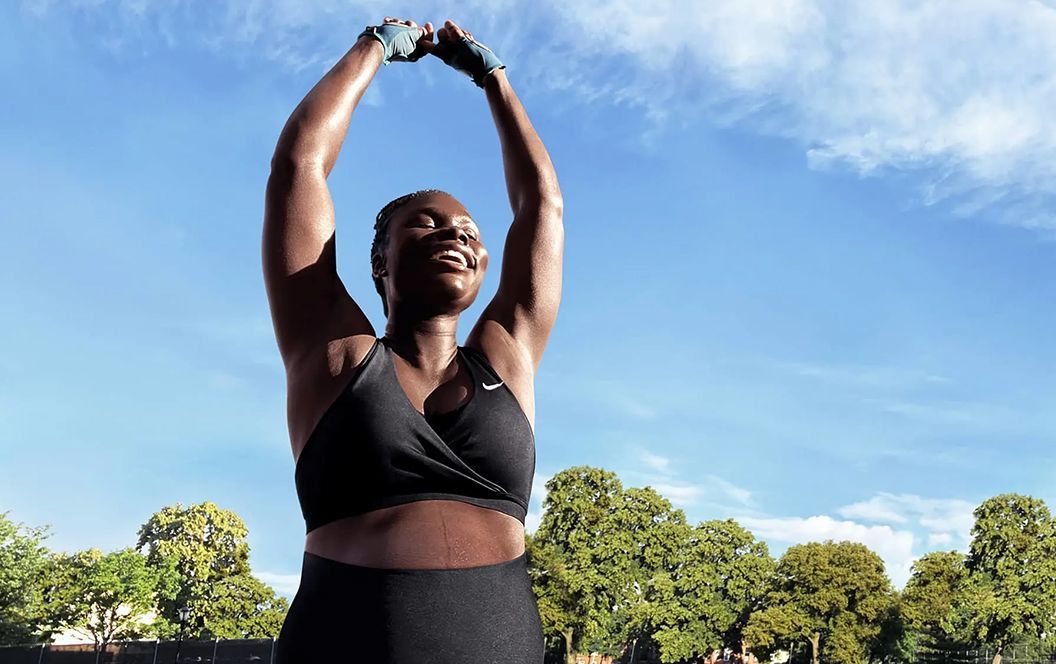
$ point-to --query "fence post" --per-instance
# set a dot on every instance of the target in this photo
(271, 660)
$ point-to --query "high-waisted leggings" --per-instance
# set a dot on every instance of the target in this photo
(347, 614)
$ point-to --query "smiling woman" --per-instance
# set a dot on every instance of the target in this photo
(414, 456)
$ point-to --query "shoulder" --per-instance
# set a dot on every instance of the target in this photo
(507, 358)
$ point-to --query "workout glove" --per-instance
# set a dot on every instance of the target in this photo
(399, 41)
(472, 59)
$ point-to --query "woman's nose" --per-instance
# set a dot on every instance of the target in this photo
(461, 234)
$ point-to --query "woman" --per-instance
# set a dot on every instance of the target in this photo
(414, 456)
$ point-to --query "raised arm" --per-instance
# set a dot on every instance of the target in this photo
(304, 291)
(529, 292)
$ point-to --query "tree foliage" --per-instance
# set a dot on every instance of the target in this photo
(835, 596)
(107, 596)
(935, 596)
(576, 587)
(1012, 571)
(24, 562)
(617, 568)
(207, 547)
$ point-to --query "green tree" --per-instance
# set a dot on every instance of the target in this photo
(701, 599)
(576, 596)
(24, 561)
(618, 569)
(933, 602)
(834, 595)
(107, 596)
(744, 565)
(245, 608)
(1012, 571)
(639, 548)
(207, 547)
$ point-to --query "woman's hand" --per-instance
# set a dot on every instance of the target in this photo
(457, 48)
(403, 41)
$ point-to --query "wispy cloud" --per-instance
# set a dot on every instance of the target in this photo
(679, 494)
(865, 376)
(946, 520)
(284, 584)
(737, 493)
(959, 90)
(655, 461)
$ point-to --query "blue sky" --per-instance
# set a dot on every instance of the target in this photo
(809, 268)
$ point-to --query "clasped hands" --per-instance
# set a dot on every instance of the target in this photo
(405, 41)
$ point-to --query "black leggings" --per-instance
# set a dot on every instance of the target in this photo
(349, 614)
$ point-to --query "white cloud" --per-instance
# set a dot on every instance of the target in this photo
(284, 584)
(939, 540)
(535, 509)
(946, 520)
(655, 461)
(678, 494)
(737, 493)
(960, 88)
(894, 546)
(862, 376)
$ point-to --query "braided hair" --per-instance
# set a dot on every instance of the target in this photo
(381, 233)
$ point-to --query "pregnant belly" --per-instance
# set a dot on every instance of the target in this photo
(427, 534)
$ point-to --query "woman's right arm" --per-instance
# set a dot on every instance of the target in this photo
(300, 266)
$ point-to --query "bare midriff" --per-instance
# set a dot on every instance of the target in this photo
(427, 534)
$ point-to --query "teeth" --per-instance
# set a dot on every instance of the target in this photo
(451, 252)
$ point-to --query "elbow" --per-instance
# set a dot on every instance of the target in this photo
(287, 162)
(551, 204)
(556, 203)
(546, 197)
(297, 151)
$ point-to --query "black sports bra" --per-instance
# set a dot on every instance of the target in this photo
(373, 449)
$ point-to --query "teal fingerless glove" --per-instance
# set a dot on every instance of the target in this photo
(472, 59)
(399, 41)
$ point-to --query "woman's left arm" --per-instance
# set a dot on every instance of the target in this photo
(529, 290)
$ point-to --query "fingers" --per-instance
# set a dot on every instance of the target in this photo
(453, 30)
(424, 45)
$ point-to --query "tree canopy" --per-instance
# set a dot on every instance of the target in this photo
(207, 547)
(833, 595)
(108, 595)
(24, 562)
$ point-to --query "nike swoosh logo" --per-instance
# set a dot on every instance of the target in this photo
(492, 387)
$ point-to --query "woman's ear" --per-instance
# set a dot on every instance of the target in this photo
(377, 267)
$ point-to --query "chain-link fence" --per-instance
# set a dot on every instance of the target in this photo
(262, 651)
(1012, 655)
(219, 651)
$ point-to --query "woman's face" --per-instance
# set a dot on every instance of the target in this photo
(434, 259)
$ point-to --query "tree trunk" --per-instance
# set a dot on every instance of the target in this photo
(570, 658)
(814, 647)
